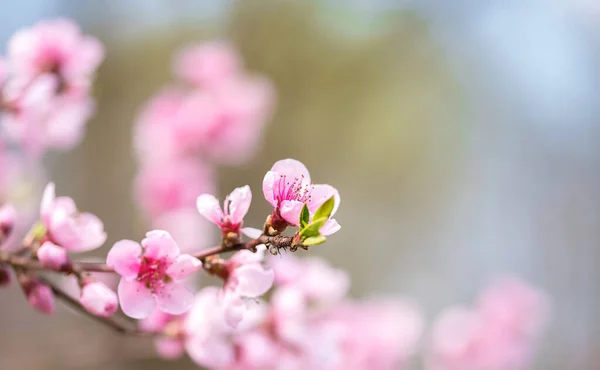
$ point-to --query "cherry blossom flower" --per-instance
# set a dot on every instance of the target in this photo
(55, 46)
(246, 277)
(74, 231)
(208, 63)
(152, 274)
(98, 299)
(52, 256)
(230, 218)
(170, 186)
(287, 186)
(39, 295)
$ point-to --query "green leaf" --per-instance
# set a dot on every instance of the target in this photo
(314, 240)
(312, 229)
(324, 211)
(304, 217)
(38, 230)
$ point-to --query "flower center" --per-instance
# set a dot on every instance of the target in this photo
(153, 273)
(292, 189)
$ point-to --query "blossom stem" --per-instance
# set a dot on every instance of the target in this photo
(115, 325)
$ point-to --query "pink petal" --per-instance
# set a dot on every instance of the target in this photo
(135, 299)
(268, 184)
(175, 298)
(239, 203)
(247, 257)
(290, 211)
(292, 169)
(98, 299)
(169, 349)
(92, 230)
(66, 204)
(209, 207)
(124, 257)
(52, 256)
(159, 244)
(252, 232)
(215, 352)
(47, 200)
(319, 194)
(330, 227)
(253, 280)
(234, 309)
(184, 266)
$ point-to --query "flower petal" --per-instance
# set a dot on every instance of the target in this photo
(268, 184)
(290, 211)
(135, 299)
(91, 229)
(253, 280)
(319, 194)
(47, 200)
(239, 203)
(214, 352)
(175, 298)
(244, 257)
(209, 207)
(168, 348)
(158, 244)
(330, 227)
(235, 306)
(252, 232)
(184, 266)
(124, 257)
(292, 169)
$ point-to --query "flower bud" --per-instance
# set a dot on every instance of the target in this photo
(5, 276)
(52, 256)
(39, 295)
(8, 216)
(98, 299)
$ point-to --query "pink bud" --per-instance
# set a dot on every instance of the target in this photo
(98, 299)
(52, 256)
(39, 295)
(5, 276)
(7, 220)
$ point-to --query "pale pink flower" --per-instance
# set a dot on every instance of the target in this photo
(230, 218)
(287, 186)
(247, 278)
(39, 295)
(169, 186)
(52, 256)
(55, 46)
(208, 63)
(98, 299)
(8, 217)
(240, 109)
(74, 231)
(152, 274)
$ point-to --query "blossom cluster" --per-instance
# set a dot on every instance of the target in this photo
(269, 309)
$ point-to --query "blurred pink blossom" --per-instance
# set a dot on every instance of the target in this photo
(207, 64)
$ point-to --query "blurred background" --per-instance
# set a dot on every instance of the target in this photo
(463, 136)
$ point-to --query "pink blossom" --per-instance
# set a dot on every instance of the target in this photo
(207, 64)
(98, 299)
(74, 231)
(247, 278)
(169, 186)
(151, 274)
(497, 334)
(56, 46)
(8, 217)
(39, 295)
(52, 256)
(231, 217)
(287, 186)
(190, 230)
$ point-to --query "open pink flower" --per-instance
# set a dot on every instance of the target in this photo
(74, 231)
(55, 46)
(98, 299)
(287, 187)
(207, 63)
(231, 217)
(152, 273)
(247, 278)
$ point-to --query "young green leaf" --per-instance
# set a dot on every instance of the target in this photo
(312, 229)
(304, 217)
(314, 240)
(324, 211)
